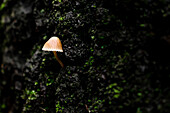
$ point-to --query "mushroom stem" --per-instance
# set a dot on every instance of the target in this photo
(55, 54)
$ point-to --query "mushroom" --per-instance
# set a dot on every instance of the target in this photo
(54, 44)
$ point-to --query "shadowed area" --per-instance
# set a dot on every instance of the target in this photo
(115, 56)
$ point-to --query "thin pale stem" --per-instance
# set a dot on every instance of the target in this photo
(55, 54)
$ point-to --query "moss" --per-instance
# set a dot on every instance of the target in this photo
(2, 6)
(113, 51)
(59, 108)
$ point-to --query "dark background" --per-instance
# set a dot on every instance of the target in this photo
(116, 56)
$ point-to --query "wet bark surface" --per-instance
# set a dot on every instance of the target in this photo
(115, 56)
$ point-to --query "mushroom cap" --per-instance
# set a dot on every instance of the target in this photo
(53, 44)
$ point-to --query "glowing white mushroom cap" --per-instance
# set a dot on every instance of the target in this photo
(53, 44)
